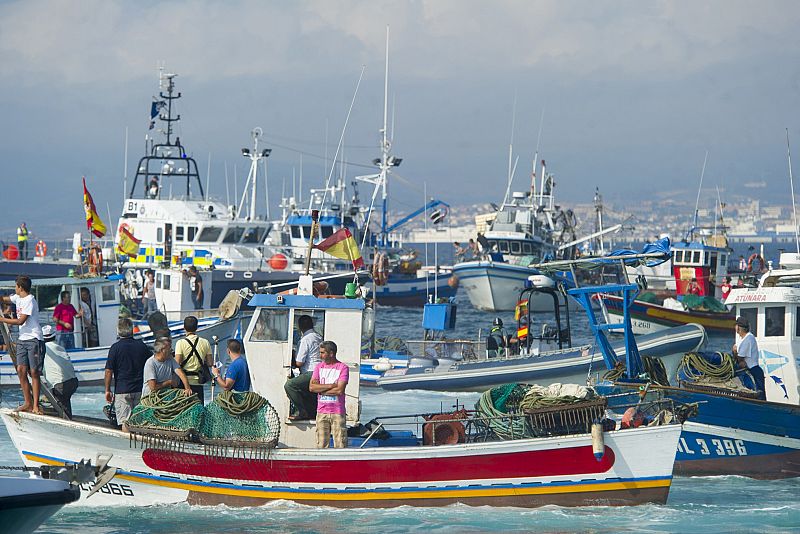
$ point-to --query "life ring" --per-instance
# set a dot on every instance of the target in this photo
(380, 269)
(95, 259)
(761, 263)
(41, 249)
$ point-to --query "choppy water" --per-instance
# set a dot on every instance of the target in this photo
(708, 505)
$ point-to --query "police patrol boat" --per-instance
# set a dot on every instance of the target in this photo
(260, 455)
(168, 219)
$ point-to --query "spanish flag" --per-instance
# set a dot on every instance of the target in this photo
(93, 221)
(126, 243)
(342, 245)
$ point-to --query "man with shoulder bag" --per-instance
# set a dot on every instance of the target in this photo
(193, 354)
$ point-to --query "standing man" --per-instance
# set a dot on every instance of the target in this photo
(22, 241)
(745, 350)
(193, 354)
(64, 317)
(149, 294)
(726, 288)
(329, 381)
(125, 363)
(196, 286)
(237, 377)
(160, 369)
(89, 328)
(306, 359)
(30, 356)
(58, 370)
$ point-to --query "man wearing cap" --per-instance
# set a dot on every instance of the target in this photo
(58, 370)
(745, 350)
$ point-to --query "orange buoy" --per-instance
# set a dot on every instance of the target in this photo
(41, 248)
(11, 252)
(278, 262)
(453, 281)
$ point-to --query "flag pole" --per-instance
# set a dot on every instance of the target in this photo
(314, 219)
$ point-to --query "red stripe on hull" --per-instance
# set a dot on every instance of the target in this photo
(553, 462)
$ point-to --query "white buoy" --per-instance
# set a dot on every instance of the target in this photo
(598, 443)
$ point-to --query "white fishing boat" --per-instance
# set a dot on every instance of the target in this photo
(459, 459)
(105, 304)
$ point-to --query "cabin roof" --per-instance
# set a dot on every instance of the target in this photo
(305, 302)
(64, 281)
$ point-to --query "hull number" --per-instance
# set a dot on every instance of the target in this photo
(111, 489)
(713, 447)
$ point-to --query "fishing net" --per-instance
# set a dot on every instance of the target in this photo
(498, 408)
(698, 303)
(168, 410)
(243, 417)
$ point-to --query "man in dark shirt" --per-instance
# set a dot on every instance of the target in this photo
(126, 359)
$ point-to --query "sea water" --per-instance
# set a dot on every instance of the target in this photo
(699, 504)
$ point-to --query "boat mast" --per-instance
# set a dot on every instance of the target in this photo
(791, 184)
(170, 81)
(697, 202)
(385, 145)
(252, 177)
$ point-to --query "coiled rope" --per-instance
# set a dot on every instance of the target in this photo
(240, 403)
(653, 367)
(167, 404)
(505, 424)
(695, 367)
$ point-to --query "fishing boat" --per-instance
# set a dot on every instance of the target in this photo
(634, 466)
(105, 304)
(543, 352)
(702, 261)
(732, 432)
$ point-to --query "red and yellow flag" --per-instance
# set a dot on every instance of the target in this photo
(342, 245)
(93, 221)
(126, 243)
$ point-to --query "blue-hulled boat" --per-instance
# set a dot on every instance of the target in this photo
(732, 433)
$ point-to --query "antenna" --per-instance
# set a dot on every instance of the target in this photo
(208, 175)
(791, 184)
(536, 158)
(125, 169)
(511, 149)
(699, 189)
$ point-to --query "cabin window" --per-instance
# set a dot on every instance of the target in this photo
(159, 235)
(774, 321)
(210, 234)
(526, 248)
(159, 276)
(167, 281)
(296, 232)
(751, 314)
(253, 235)
(317, 316)
(678, 256)
(271, 325)
(108, 293)
(233, 235)
(492, 245)
(191, 231)
(797, 322)
(179, 233)
(515, 247)
(696, 257)
(713, 264)
(503, 246)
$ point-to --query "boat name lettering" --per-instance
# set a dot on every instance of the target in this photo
(757, 297)
(111, 488)
(719, 447)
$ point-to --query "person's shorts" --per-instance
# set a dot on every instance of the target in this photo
(29, 354)
(124, 404)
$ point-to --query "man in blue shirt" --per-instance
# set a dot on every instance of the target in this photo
(237, 377)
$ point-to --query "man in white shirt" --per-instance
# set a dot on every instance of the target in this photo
(306, 358)
(58, 370)
(30, 354)
(745, 350)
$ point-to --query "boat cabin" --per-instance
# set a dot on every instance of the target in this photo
(104, 302)
(773, 311)
(272, 336)
(707, 264)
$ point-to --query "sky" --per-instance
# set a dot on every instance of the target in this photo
(626, 96)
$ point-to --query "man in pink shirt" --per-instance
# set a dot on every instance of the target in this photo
(328, 382)
(64, 317)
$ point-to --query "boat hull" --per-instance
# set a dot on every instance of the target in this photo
(647, 318)
(26, 503)
(495, 287)
(730, 435)
(568, 366)
(412, 290)
(636, 468)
